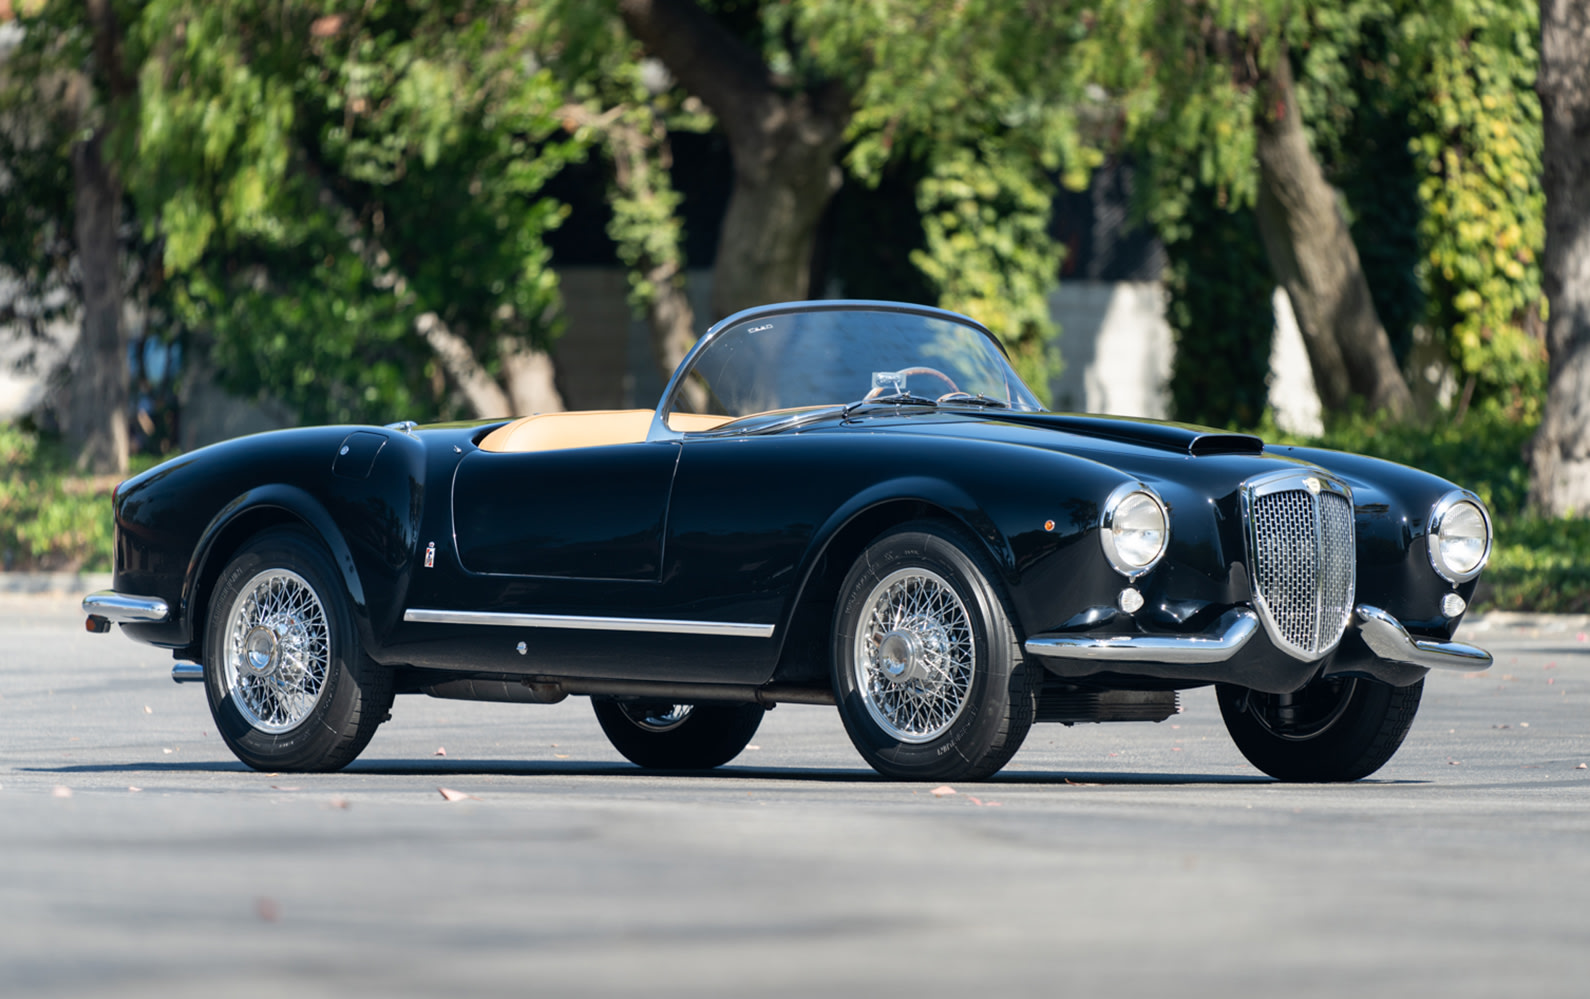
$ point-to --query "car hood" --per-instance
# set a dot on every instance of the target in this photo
(1118, 435)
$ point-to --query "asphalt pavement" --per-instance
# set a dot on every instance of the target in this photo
(139, 858)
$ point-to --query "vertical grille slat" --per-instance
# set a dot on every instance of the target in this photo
(1301, 550)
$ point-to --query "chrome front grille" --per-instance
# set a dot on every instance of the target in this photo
(1301, 558)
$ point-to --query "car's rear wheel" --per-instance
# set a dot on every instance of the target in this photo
(927, 671)
(289, 684)
(662, 736)
(1336, 729)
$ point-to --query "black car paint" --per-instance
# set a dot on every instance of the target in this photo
(752, 524)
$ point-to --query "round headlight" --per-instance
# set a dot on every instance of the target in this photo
(1460, 537)
(1134, 530)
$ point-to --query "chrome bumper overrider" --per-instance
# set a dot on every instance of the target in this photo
(1388, 639)
(1381, 632)
(125, 608)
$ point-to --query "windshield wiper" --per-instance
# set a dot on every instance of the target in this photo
(894, 399)
(967, 399)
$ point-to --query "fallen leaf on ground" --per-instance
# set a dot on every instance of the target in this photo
(1583, 766)
(451, 795)
(942, 791)
(560, 756)
(1078, 783)
(1454, 763)
(134, 788)
(168, 752)
(148, 710)
(61, 791)
(440, 751)
(342, 803)
(981, 803)
(283, 787)
(753, 747)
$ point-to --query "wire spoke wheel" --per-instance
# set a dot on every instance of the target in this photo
(914, 658)
(927, 675)
(277, 650)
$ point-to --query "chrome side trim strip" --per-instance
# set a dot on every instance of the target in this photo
(125, 608)
(1388, 639)
(187, 673)
(722, 629)
(1225, 640)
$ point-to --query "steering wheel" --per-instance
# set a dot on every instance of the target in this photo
(908, 372)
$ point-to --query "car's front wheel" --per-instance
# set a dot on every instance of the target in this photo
(930, 681)
(289, 684)
(1336, 729)
(662, 736)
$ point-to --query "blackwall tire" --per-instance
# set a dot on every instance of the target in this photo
(288, 682)
(1333, 730)
(927, 671)
(678, 736)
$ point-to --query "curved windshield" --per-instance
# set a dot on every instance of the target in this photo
(835, 357)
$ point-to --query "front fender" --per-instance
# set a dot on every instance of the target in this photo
(249, 513)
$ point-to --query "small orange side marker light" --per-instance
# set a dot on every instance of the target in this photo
(1048, 525)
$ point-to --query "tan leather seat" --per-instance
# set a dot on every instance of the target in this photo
(586, 428)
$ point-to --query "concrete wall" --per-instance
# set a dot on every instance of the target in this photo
(1117, 350)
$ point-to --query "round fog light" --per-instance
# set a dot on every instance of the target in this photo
(1130, 600)
(1452, 605)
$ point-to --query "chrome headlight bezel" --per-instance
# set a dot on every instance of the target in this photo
(1444, 508)
(1113, 508)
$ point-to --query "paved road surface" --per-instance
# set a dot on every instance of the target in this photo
(138, 858)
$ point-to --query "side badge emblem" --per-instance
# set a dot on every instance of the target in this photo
(430, 555)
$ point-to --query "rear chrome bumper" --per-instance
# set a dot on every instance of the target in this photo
(1381, 632)
(126, 608)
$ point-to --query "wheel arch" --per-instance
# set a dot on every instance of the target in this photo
(248, 515)
(803, 653)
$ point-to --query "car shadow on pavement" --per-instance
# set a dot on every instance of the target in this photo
(586, 768)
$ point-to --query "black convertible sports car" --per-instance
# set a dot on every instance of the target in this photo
(847, 503)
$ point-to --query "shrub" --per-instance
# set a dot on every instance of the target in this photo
(50, 519)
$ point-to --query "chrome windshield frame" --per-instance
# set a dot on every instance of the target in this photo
(660, 431)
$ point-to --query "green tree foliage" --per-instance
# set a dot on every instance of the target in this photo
(1218, 288)
(1479, 151)
(990, 100)
(323, 175)
(1425, 119)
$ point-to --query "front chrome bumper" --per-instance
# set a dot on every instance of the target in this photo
(126, 608)
(1382, 633)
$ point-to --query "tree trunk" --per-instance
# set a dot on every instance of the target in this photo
(784, 144)
(1312, 254)
(486, 398)
(94, 410)
(1559, 467)
(784, 176)
(529, 373)
(94, 413)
